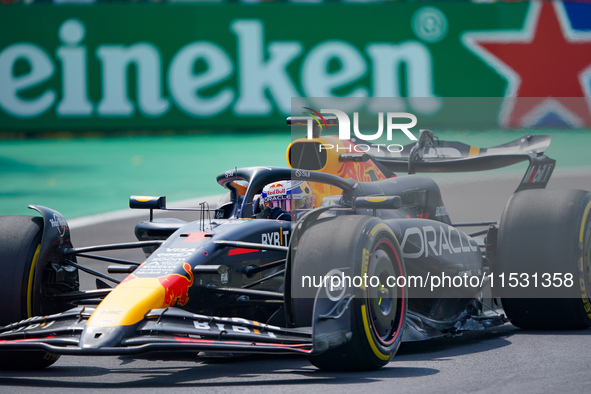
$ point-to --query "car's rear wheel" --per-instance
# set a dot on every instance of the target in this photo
(20, 241)
(548, 232)
(369, 249)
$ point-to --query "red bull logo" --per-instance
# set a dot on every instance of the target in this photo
(275, 188)
(176, 287)
(273, 192)
(138, 293)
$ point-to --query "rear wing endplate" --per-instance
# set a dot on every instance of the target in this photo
(432, 155)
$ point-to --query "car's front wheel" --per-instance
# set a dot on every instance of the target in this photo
(370, 253)
(20, 242)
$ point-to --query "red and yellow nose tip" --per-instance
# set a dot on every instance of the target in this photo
(129, 302)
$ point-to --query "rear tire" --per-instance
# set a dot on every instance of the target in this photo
(20, 241)
(548, 231)
(378, 315)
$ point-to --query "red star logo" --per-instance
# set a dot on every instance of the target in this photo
(546, 65)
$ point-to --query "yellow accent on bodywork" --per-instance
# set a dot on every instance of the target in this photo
(474, 151)
(128, 303)
(375, 199)
(332, 166)
(144, 198)
(30, 282)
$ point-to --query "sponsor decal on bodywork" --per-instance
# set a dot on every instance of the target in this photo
(237, 325)
(60, 223)
(165, 262)
(423, 241)
(176, 287)
(277, 238)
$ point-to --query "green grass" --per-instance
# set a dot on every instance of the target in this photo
(86, 176)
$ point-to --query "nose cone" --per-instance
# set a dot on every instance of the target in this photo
(118, 315)
(128, 303)
(104, 337)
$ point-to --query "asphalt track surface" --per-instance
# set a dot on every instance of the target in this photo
(505, 359)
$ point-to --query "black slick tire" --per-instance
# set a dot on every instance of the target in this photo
(548, 231)
(20, 239)
(368, 247)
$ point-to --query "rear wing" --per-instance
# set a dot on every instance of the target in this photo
(430, 154)
(433, 155)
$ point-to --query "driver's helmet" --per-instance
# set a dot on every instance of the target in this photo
(288, 195)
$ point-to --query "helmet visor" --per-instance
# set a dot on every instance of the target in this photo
(286, 204)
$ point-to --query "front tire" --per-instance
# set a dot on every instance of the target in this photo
(20, 241)
(369, 248)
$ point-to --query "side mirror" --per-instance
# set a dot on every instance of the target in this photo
(378, 202)
(147, 202)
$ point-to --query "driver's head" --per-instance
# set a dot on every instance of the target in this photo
(288, 195)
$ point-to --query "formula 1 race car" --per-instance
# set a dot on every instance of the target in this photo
(375, 260)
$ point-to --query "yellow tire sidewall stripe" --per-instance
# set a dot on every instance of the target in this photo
(370, 338)
(30, 282)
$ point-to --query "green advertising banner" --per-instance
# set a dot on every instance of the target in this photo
(202, 66)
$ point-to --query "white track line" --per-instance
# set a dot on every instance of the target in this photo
(213, 200)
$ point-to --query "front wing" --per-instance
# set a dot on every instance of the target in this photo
(169, 329)
(174, 329)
